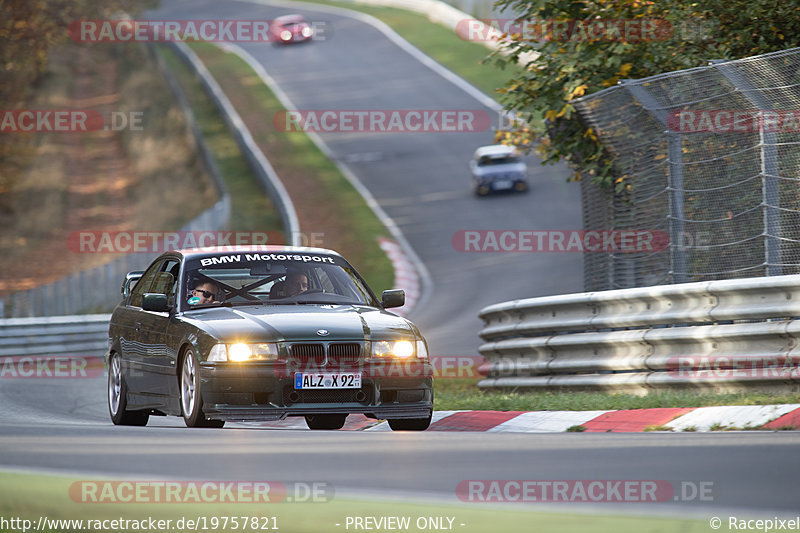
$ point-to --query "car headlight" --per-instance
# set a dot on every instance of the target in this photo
(218, 353)
(401, 349)
(239, 352)
(286, 35)
(306, 31)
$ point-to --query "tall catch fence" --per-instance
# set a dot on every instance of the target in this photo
(712, 157)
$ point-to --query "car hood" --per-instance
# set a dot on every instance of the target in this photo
(300, 322)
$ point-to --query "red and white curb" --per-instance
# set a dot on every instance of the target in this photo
(750, 416)
(405, 275)
(676, 419)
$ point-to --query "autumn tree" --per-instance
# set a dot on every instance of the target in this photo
(28, 30)
(579, 56)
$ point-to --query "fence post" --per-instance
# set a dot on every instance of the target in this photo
(62, 294)
(675, 185)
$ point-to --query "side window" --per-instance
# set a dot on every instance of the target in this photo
(143, 285)
(167, 277)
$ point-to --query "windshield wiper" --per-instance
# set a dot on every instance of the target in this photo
(225, 304)
(320, 302)
(246, 302)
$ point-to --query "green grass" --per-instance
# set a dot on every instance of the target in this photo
(454, 394)
(30, 496)
(295, 156)
(251, 208)
(464, 58)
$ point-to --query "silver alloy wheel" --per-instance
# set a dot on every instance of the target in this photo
(114, 384)
(188, 383)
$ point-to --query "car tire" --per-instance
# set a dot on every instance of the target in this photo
(410, 424)
(118, 397)
(520, 186)
(191, 396)
(325, 421)
(481, 190)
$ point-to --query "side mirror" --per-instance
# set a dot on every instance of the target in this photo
(393, 298)
(130, 278)
(155, 302)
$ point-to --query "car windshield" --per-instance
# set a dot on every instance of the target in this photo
(273, 278)
(507, 160)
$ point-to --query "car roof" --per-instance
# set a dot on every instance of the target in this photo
(289, 18)
(190, 253)
(495, 150)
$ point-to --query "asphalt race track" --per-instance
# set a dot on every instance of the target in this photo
(63, 426)
(422, 182)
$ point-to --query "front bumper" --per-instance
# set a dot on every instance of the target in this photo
(498, 184)
(266, 392)
(296, 38)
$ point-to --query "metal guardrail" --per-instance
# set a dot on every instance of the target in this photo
(75, 335)
(719, 335)
(252, 153)
(96, 289)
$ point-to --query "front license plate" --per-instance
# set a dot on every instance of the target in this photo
(305, 380)
(502, 184)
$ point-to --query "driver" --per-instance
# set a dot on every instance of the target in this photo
(296, 283)
(204, 292)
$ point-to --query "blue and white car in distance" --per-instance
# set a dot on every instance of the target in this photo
(498, 167)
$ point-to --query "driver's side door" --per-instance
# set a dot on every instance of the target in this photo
(160, 361)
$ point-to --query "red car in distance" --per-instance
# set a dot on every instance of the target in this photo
(290, 29)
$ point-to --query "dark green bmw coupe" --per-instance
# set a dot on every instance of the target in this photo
(261, 334)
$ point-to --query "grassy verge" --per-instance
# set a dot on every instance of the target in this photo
(251, 209)
(454, 394)
(464, 58)
(332, 213)
(30, 497)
